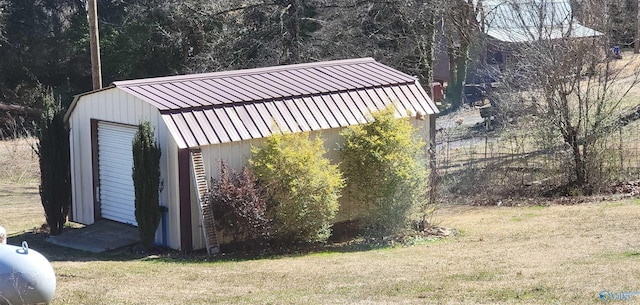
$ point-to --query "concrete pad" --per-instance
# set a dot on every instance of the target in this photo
(104, 235)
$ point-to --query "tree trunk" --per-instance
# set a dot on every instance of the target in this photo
(289, 30)
(458, 73)
(578, 158)
(426, 47)
(18, 110)
(453, 86)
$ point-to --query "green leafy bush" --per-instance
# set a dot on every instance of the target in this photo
(55, 170)
(239, 206)
(146, 181)
(302, 186)
(386, 172)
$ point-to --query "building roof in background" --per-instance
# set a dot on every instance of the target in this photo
(221, 107)
(531, 20)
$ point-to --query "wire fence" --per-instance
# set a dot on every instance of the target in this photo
(521, 163)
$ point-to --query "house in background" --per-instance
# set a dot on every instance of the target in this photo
(506, 24)
(202, 119)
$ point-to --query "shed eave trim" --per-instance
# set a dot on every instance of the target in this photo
(77, 97)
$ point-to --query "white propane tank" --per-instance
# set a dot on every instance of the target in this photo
(26, 277)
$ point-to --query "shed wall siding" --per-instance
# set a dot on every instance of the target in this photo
(114, 105)
(237, 155)
(171, 193)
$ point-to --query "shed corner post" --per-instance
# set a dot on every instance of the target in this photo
(184, 182)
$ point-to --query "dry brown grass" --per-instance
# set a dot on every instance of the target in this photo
(504, 255)
(20, 207)
(18, 161)
(507, 255)
(629, 66)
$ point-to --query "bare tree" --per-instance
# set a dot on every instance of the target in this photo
(398, 33)
(566, 72)
(290, 31)
(172, 36)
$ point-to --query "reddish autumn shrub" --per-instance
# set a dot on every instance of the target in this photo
(239, 206)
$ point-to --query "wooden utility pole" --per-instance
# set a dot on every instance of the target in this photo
(96, 70)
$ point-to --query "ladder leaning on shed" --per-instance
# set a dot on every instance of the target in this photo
(206, 215)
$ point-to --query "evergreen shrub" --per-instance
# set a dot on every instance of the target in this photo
(55, 170)
(146, 181)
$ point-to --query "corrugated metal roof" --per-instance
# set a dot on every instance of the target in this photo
(532, 20)
(221, 107)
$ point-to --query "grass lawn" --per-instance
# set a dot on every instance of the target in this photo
(507, 255)
(556, 254)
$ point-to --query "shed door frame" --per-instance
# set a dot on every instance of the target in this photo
(97, 208)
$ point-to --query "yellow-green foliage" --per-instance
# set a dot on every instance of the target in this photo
(386, 172)
(302, 186)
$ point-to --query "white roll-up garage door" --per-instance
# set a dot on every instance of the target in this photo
(115, 160)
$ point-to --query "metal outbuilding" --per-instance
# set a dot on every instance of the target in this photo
(218, 116)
